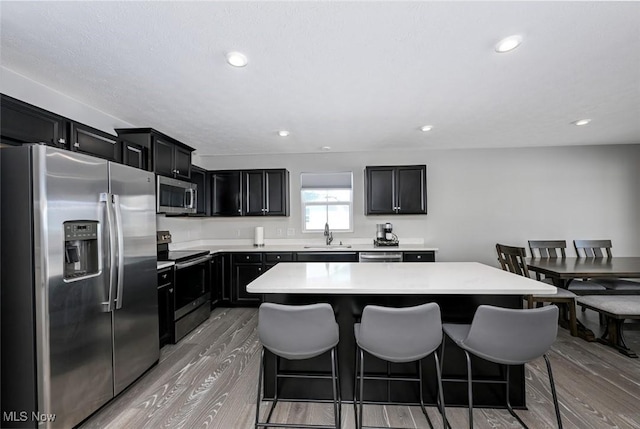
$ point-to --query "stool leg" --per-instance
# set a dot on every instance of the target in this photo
(440, 390)
(355, 386)
(553, 391)
(509, 407)
(469, 388)
(338, 387)
(361, 404)
(258, 398)
(424, 410)
(336, 411)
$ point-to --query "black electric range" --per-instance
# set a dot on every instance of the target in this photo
(164, 254)
(180, 255)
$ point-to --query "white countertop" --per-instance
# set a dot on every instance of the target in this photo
(430, 278)
(220, 248)
(165, 264)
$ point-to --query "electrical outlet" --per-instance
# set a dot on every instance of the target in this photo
(291, 231)
(279, 232)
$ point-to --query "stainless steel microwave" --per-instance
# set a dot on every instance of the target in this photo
(176, 196)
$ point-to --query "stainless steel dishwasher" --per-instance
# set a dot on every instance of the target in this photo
(380, 257)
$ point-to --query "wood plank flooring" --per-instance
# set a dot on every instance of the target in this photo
(208, 380)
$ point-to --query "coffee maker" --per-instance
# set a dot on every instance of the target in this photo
(385, 235)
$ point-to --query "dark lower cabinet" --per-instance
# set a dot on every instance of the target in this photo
(23, 123)
(426, 256)
(246, 267)
(216, 281)
(327, 256)
(165, 306)
(94, 142)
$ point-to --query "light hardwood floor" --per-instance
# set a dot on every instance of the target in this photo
(208, 380)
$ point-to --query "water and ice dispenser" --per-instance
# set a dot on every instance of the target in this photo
(81, 256)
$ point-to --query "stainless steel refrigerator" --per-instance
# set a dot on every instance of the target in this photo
(79, 299)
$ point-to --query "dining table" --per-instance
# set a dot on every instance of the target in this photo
(563, 271)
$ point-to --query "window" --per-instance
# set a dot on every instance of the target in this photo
(326, 198)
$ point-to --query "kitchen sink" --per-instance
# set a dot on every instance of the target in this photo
(330, 246)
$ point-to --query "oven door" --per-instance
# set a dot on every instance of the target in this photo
(191, 285)
(176, 196)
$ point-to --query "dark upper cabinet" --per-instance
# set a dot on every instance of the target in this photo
(169, 157)
(134, 154)
(396, 189)
(226, 193)
(266, 192)
(200, 177)
(94, 142)
(24, 123)
(250, 192)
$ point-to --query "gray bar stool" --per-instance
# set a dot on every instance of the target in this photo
(397, 335)
(506, 336)
(298, 332)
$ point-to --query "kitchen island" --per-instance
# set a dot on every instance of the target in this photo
(458, 287)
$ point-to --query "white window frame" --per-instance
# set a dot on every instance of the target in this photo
(304, 205)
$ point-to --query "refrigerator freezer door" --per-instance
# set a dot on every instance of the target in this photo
(74, 345)
(135, 318)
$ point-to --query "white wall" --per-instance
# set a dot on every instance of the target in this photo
(475, 198)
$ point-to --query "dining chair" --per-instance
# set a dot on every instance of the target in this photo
(297, 332)
(496, 335)
(512, 259)
(554, 249)
(601, 249)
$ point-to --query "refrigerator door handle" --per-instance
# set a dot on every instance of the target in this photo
(107, 198)
(120, 238)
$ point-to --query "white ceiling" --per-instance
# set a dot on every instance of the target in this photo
(355, 76)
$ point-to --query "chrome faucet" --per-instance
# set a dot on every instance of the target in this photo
(328, 233)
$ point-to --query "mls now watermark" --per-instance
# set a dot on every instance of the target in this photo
(26, 416)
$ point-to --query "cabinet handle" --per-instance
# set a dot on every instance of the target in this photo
(239, 210)
(277, 257)
(259, 269)
(419, 257)
(76, 144)
(171, 290)
(247, 257)
(164, 276)
(178, 171)
(62, 141)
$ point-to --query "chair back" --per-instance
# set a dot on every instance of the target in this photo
(593, 248)
(297, 331)
(512, 259)
(400, 334)
(548, 248)
(512, 336)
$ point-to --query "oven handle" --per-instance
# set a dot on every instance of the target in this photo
(192, 263)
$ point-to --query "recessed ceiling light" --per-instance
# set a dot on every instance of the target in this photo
(426, 128)
(582, 122)
(237, 59)
(508, 44)
(326, 148)
(283, 133)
